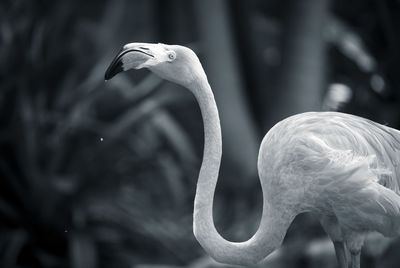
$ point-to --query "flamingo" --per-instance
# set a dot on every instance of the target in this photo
(343, 168)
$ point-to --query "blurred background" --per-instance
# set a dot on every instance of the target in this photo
(97, 174)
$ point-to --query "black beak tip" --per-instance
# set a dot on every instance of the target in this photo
(113, 69)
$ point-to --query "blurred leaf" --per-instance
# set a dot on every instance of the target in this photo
(17, 239)
(83, 253)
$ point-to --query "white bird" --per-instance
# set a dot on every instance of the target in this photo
(343, 168)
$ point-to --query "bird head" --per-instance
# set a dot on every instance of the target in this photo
(175, 63)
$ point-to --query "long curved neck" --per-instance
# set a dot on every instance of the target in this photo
(273, 223)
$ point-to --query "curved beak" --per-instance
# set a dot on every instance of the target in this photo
(139, 53)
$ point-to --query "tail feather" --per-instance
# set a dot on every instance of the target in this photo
(389, 201)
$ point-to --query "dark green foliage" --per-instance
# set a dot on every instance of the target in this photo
(92, 174)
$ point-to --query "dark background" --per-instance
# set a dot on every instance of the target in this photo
(97, 174)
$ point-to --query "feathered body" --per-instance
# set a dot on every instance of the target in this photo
(335, 165)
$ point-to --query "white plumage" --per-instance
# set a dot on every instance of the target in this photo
(343, 168)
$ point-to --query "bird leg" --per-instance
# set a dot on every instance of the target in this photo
(340, 250)
(355, 259)
(332, 228)
(354, 242)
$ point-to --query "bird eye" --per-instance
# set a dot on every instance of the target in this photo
(171, 55)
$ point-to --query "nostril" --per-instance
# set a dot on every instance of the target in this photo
(145, 48)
